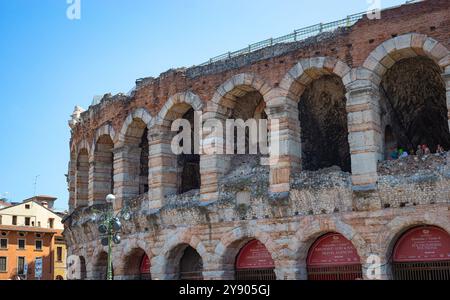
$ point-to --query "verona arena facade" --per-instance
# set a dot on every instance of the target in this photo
(121, 145)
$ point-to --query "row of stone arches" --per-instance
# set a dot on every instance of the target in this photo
(421, 252)
(398, 98)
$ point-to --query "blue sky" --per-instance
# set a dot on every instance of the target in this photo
(49, 64)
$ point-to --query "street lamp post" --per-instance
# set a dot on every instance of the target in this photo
(109, 228)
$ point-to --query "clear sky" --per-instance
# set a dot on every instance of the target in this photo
(49, 64)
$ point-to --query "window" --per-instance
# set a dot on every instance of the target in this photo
(59, 253)
(14, 220)
(38, 235)
(3, 243)
(3, 264)
(27, 221)
(27, 206)
(51, 223)
(38, 245)
(39, 223)
(0, 220)
(21, 244)
(21, 234)
(21, 265)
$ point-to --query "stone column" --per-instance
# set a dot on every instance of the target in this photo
(71, 181)
(162, 166)
(284, 112)
(291, 270)
(91, 180)
(364, 126)
(126, 173)
(446, 77)
(375, 267)
(212, 164)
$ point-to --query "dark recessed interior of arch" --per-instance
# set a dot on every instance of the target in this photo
(143, 163)
(323, 121)
(101, 266)
(191, 264)
(104, 165)
(133, 262)
(413, 105)
(248, 106)
(189, 164)
(137, 136)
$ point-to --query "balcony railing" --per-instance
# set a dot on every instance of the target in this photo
(297, 35)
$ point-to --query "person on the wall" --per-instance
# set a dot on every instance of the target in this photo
(426, 150)
(419, 151)
(394, 154)
(440, 150)
(402, 153)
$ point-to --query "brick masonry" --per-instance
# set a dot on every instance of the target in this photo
(284, 210)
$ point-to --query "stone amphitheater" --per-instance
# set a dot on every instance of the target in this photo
(334, 206)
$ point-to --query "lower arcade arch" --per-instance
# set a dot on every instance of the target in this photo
(422, 253)
(414, 106)
(137, 266)
(254, 262)
(333, 257)
(100, 271)
(191, 265)
(184, 263)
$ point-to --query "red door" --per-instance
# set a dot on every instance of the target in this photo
(333, 257)
(145, 268)
(422, 253)
(254, 262)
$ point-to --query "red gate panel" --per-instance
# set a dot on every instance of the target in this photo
(254, 255)
(423, 244)
(145, 265)
(333, 250)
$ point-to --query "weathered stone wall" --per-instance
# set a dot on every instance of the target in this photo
(285, 208)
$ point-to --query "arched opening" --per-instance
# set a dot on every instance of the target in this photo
(248, 106)
(191, 265)
(184, 263)
(83, 271)
(143, 165)
(103, 176)
(188, 164)
(324, 127)
(100, 270)
(82, 177)
(137, 266)
(390, 143)
(137, 166)
(254, 262)
(333, 257)
(413, 102)
(422, 253)
(145, 267)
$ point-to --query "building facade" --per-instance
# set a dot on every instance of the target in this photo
(333, 205)
(31, 233)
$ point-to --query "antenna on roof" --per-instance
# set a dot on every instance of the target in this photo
(35, 184)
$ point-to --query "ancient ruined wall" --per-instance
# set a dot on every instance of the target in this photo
(283, 206)
(320, 202)
(352, 46)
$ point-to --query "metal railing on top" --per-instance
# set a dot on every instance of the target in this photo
(297, 35)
